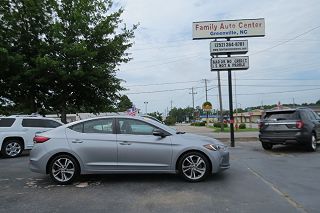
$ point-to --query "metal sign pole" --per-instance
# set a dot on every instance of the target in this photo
(230, 104)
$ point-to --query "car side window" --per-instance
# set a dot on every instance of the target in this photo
(51, 123)
(40, 123)
(77, 127)
(6, 122)
(104, 126)
(317, 117)
(135, 127)
(310, 115)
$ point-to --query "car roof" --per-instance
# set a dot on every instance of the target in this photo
(137, 117)
(288, 110)
(281, 110)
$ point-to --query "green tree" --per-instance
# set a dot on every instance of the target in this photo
(62, 56)
(124, 104)
(180, 114)
(156, 115)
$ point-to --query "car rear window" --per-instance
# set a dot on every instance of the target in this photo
(42, 123)
(6, 122)
(282, 115)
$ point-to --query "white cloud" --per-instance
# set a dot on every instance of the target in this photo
(165, 52)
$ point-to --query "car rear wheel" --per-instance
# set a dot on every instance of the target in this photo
(267, 146)
(194, 166)
(64, 169)
(11, 148)
(312, 145)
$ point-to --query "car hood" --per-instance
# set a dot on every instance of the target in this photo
(199, 139)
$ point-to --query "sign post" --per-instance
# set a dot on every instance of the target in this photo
(229, 29)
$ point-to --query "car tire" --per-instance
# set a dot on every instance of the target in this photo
(194, 166)
(312, 144)
(64, 169)
(11, 148)
(267, 146)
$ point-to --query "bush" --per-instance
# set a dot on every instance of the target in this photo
(170, 121)
(242, 126)
(203, 123)
(218, 125)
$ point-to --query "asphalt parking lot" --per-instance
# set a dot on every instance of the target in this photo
(283, 180)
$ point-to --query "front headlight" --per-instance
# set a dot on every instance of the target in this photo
(215, 147)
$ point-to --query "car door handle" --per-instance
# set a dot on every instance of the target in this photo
(125, 143)
(77, 141)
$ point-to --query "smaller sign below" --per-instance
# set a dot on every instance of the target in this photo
(230, 63)
(228, 47)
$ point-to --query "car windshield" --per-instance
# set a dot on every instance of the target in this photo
(281, 115)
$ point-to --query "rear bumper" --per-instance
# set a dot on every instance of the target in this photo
(298, 137)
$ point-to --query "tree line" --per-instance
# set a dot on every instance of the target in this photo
(61, 56)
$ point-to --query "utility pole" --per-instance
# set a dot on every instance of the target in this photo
(293, 103)
(235, 98)
(171, 104)
(146, 103)
(205, 83)
(220, 103)
(192, 93)
(206, 88)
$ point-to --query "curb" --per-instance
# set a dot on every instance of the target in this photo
(240, 139)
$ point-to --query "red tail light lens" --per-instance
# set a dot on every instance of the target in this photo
(299, 124)
(40, 139)
(260, 125)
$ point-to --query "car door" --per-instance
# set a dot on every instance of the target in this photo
(139, 149)
(94, 142)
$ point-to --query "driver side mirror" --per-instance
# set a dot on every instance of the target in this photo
(158, 132)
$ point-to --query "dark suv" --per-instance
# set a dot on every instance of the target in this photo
(301, 125)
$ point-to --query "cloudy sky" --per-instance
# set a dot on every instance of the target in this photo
(167, 63)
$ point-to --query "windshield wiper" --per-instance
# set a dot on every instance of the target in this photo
(179, 133)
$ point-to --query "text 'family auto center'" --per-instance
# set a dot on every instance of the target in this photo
(223, 29)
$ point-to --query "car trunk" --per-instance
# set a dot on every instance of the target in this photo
(281, 123)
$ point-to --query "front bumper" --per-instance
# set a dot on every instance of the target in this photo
(224, 161)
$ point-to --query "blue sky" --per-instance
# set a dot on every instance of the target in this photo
(285, 60)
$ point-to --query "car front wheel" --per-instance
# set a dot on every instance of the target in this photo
(194, 166)
(267, 146)
(64, 169)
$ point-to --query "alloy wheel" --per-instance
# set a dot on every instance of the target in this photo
(194, 167)
(63, 169)
(13, 149)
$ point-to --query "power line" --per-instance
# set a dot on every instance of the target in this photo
(279, 92)
(178, 82)
(286, 41)
(157, 91)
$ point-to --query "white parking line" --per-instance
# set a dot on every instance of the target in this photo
(291, 201)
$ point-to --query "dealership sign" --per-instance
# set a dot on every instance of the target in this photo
(228, 47)
(228, 28)
(230, 63)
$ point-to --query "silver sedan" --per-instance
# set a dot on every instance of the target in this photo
(125, 144)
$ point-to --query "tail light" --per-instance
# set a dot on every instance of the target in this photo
(299, 124)
(40, 139)
(260, 125)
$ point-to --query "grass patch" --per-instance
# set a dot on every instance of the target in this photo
(227, 129)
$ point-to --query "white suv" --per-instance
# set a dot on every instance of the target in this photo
(17, 132)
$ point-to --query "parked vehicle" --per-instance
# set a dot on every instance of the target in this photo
(125, 144)
(17, 132)
(301, 125)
